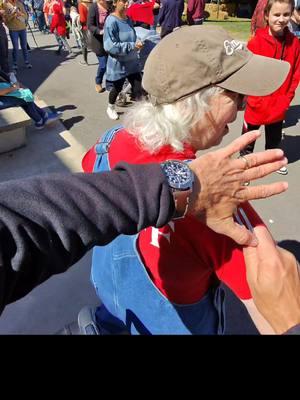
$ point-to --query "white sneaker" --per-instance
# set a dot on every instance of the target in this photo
(282, 171)
(112, 113)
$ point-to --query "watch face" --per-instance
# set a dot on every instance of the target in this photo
(179, 175)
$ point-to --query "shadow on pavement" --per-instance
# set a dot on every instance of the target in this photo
(292, 116)
(291, 147)
(44, 62)
(66, 107)
(68, 123)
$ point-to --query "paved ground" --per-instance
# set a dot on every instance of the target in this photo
(69, 87)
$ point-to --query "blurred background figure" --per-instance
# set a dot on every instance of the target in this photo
(38, 7)
(195, 12)
(58, 26)
(97, 15)
(258, 17)
(169, 16)
(294, 24)
(3, 44)
(16, 21)
(83, 9)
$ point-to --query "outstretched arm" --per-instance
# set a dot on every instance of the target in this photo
(48, 223)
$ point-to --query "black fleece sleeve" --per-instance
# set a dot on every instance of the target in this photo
(48, 223)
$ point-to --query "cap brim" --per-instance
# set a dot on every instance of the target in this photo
(259, 77)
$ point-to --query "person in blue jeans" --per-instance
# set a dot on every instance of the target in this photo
(16, 20)
(98, 12)
(38, 115)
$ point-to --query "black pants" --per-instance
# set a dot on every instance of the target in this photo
(165, 31)
(3, 49)
(135, 81)
(273, 136)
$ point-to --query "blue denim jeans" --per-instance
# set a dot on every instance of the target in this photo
(15, 36)
(31, 109)
(101, 69)
(131, 301)
(40, 20)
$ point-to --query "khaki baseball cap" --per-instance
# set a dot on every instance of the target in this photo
(194, 57)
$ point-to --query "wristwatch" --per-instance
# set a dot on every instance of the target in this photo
(180, 179)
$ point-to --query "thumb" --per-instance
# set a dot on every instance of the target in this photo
(240, 234)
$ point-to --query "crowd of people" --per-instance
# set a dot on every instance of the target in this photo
(158, 269)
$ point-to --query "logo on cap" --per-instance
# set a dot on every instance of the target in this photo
(232, 46)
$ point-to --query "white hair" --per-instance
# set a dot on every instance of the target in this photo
(168, 124)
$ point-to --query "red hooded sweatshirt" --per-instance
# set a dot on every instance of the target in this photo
(58, 21)
(272, 108)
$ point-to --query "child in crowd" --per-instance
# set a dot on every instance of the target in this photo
(295, 21)
(76, 26)
(275, 41)
(58, 25)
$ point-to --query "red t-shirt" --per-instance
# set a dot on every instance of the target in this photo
(142, 12)
(183, 257)
(83, 12)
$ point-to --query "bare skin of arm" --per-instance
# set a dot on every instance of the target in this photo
(4, 92)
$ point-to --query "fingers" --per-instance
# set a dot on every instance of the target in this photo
(240, 143)
(261, 191)
(256, 159)
(263, 170)
(266, 248)
(240, 234)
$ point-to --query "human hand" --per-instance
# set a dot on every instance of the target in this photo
(139, 45)
(13, 88)
(274, 281)
(219, 189)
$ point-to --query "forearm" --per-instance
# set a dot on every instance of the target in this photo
(117, 48)
(48, 223)
(4, 92)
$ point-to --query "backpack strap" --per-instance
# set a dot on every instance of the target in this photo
(102, 148)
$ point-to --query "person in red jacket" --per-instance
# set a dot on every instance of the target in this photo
(83, 9)
(258, 18)
(58, 25)
(275, 41)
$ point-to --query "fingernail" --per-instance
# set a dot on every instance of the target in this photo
(279, 153)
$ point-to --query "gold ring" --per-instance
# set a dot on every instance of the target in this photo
(246, 161)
